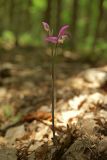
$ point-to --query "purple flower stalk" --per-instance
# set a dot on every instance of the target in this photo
(59, 39)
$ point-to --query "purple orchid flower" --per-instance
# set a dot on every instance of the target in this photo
(62, 35)
(52, 39)
(46, 26)
(63, 30)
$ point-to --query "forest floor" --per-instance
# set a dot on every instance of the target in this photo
(25, 107)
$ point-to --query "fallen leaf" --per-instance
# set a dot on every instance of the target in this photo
(40, 115)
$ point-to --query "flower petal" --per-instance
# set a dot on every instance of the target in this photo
(62, 39)
(52, 39)
(46, 26)
(63, 30)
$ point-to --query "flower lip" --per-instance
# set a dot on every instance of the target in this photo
(52, 39)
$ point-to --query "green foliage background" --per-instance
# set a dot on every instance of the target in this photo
(20, 21)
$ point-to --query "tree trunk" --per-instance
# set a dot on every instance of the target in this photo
(27, 16)
(74, 10)
(104, 23)
(97, 33)
(48, 11)
(88, 18)
(11, 12)
(2, 6)
(58, 16)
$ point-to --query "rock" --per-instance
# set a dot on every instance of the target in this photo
(102, 147)
(76, 102)
(31, 156)
(2, 141)
(95, 98)
(98, 78)
(8, 153)
(13, 133)
(77, 150)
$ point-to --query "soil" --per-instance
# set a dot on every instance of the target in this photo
(25, 106)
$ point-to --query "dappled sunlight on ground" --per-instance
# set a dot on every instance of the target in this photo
(25, 106)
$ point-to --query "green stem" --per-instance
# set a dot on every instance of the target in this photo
(53, 90)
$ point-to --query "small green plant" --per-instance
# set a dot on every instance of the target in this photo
(55, 40)
(8, 110)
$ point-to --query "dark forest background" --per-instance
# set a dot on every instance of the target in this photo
(20, 23)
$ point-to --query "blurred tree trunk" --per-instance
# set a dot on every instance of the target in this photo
(105, 31)
(16, 26)
(98, 25)
(1, 26)
(11, 12)
(28, 17)
(2, 5)
(48, 11)
(12, 9)
(74, 17)
(104, 23)
(88, 18)
(58, 16)
(17, 20)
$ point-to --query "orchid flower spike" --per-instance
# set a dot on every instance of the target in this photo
(62, 35)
